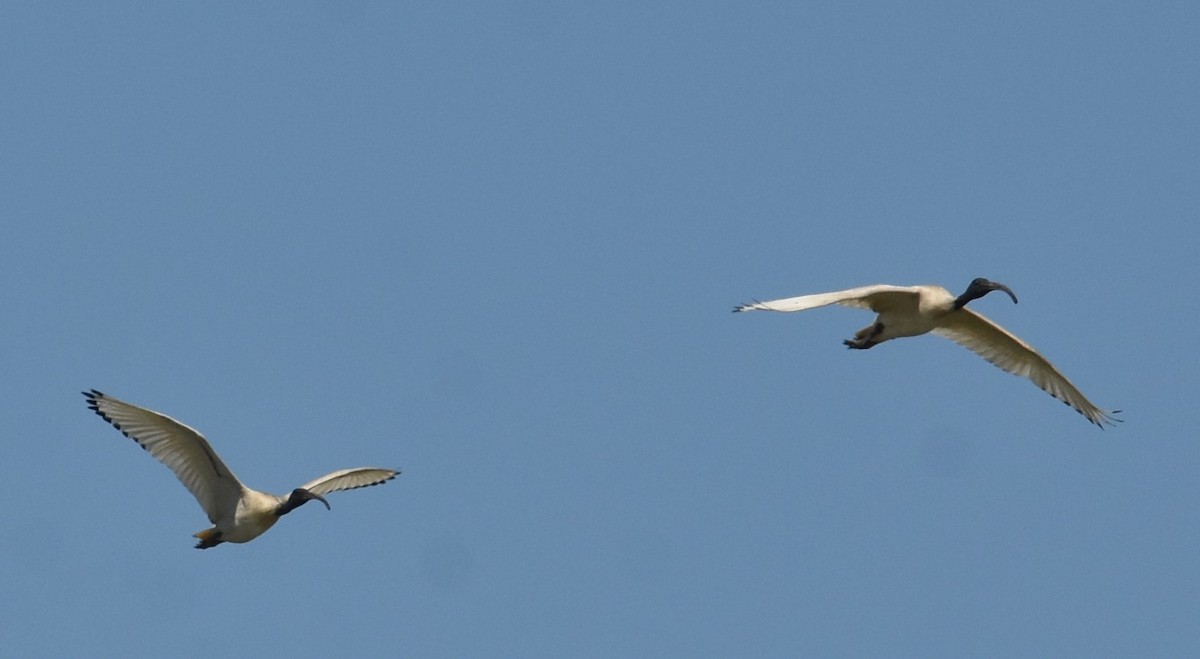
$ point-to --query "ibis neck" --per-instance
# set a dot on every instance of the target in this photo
(288, 506)
(297, 498)
(294, 501)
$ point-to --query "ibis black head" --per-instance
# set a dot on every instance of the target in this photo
(297, 498)
(980, 287)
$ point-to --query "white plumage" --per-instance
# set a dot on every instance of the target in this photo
(914, 310)
(238, 513)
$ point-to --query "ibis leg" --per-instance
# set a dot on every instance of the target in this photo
(865, 337)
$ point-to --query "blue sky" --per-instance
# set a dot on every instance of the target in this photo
(497, 245)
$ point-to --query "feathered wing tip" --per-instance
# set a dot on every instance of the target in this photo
(1074, 399)
(1104, 418)
(749, 306)
(93, 402)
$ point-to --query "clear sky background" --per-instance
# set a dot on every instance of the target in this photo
(497, 245)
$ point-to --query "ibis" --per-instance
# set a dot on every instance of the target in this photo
(238, 513)
(915, 310)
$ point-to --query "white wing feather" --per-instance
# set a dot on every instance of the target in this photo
(182, 449)
(877, 298)
(349, 479)
(985, 338)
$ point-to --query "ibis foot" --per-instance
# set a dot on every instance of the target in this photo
(208, 538)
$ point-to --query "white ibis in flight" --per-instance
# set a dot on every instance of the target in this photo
(915, 310)
(238, 513)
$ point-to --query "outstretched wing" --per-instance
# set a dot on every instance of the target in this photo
(349, 479)
(985, 338)
(181, 448)
(877, 298)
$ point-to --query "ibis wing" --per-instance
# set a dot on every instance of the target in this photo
(877, 298)
(985, 338)
(349, 479)
(179, 447)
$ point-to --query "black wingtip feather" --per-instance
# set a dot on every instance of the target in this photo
(746, 306)
(93, 398)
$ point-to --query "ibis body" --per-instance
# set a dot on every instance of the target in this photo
(915, 310)
(238, 513)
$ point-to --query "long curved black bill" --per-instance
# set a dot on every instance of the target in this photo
(1001, 287)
